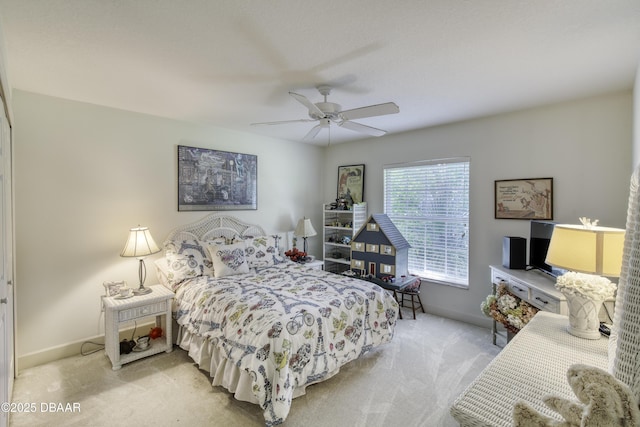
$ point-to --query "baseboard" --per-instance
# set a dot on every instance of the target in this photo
(51, 354)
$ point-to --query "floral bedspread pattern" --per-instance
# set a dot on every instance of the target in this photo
(286, 325)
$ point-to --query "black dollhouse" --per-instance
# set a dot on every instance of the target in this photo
(378, 249)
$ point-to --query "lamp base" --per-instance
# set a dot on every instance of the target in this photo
(586, 334)
(142, 290)
(583, 316)
(142, 275)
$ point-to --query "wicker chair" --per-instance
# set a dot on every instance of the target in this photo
(411, 292)
(624, 344)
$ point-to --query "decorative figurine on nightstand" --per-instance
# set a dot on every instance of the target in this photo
(112, 289)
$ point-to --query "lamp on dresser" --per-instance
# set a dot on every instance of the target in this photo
(588, 252)
(139, 245)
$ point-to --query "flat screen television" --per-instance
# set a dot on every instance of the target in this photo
(539, 239)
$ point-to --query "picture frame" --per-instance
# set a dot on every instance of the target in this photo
(529, 198)
(215, 180)
(351, 183)
(112, 289)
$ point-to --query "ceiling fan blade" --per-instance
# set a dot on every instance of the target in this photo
(362, 128)
(312, 133)
(324, 123)
(282, 122)
(310, 105)
(371, 111)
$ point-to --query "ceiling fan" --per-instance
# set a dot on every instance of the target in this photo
(327, 112)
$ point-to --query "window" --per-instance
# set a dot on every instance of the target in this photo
(429, 203)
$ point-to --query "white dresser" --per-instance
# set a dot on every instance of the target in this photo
(533, 286)
(538, 289)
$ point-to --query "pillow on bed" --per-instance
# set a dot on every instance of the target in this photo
(192, 247)
(228, 260)
(174, 268)
(186, 259)
(197, 250)
(261, 251)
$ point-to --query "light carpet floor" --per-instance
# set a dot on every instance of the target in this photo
(411, 381)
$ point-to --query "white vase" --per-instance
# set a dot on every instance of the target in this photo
(584, 321)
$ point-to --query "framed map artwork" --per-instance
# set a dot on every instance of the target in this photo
(213, 180)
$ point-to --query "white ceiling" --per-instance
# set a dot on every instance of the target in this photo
(232, 62)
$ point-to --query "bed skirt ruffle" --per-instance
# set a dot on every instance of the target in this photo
(224, 373)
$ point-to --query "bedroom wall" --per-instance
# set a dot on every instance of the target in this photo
(85, 174)
(586, 146)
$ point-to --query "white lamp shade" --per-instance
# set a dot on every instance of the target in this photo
(304, 228)
(139, 244)
(594, 250)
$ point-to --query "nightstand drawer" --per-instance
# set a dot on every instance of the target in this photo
(142, 311)
(544, 301)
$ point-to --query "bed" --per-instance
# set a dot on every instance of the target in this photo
(264, 327)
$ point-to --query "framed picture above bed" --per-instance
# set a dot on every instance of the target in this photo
(351, 183)
(213, 180)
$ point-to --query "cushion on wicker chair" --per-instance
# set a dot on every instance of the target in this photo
(413, 293)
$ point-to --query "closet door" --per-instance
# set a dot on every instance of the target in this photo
(6, 268)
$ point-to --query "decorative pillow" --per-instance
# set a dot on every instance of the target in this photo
(228, 260)
(261, 251)
(174, 268)
(196, 251)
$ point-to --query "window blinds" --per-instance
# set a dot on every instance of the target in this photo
(429, 203)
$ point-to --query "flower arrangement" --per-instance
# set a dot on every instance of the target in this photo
(508, 309)
(296, 255)
(587, 285)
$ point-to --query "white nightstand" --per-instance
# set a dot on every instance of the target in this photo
(119, 311)
(317, 264)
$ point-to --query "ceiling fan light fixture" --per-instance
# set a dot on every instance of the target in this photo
(330, 110)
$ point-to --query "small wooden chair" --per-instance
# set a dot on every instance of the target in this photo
(413, 292)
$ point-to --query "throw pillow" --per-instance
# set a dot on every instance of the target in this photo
(228, 260)
(261, 251)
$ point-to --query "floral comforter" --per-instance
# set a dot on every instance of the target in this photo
(287, 325)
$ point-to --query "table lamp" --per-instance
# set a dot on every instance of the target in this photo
(588, 252)
(304, 229)
(139, 245)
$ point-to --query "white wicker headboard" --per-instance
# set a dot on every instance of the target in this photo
(212, 226)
